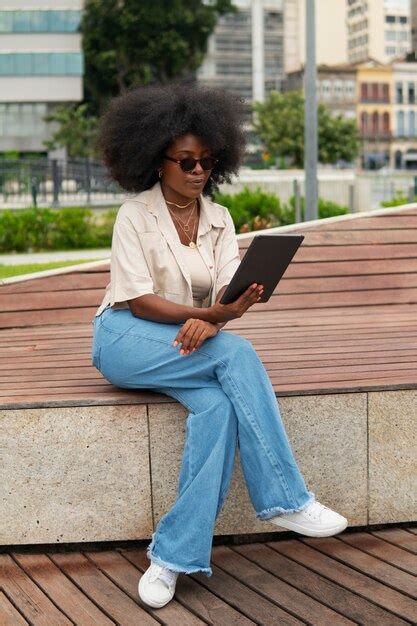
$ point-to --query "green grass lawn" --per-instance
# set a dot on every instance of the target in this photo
(17, 270)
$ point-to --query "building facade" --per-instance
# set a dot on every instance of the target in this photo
(41, 66)
(404, 116)
(374, 113)
(413, 15)
(378, 29)
(245, 52)
(336, 87)
(331, 33)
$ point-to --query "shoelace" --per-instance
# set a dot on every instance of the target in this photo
(314, 509)
(167, 576)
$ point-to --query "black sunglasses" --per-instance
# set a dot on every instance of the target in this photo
(188, 164)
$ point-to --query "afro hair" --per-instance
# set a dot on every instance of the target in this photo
(140, 124)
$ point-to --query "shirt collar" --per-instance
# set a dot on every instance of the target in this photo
(210, 214)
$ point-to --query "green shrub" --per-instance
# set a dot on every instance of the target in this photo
(37, 230)
(398, 201)
(255, 209)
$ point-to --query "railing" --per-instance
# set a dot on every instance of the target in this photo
(55, 182)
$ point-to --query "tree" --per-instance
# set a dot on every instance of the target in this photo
(279, 122)
(77, 130)
(138, 42)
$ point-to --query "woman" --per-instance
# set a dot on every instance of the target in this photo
(174, 251)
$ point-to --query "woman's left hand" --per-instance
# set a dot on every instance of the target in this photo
(193, 333)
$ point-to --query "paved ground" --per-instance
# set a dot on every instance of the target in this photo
(46, 257)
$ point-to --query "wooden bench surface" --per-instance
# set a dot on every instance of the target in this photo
(354, 578)
(343, 318)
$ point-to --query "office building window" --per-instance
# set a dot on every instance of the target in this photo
(400, 124)
(23, 119)
(38, 21)
(385, 123)
(390, 19)
(403, 19)
(399, 93)
(390, 50)
(364, 92)
(411, 93)
(385, 92)
(364, 123)
(375, 123)
(41, 64)
(412, 123)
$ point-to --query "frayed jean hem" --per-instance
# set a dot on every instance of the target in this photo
(189, 570)
(277, 510)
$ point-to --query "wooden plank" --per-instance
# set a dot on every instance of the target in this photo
(61, 590)
(385, 551)
(208, 606)
(9, 615)
(126, 576)
(378, 222)
(330, 590)
(53, 316)
(398, 537)
(102, 591)
(366, 563)
(35, 387)
(392, 604)
(351, 283)
(50, 300)
(32, 602)
(411, 529)
(79, 280)
(273, 588)
(369, 267)
(244, 599)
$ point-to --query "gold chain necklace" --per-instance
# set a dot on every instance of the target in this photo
(185, 224)
(180, 206)
(191, 244)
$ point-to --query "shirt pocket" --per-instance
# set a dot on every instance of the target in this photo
(162, 264)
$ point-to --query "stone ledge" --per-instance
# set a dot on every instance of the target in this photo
(109, 473)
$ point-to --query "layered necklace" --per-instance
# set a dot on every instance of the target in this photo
(184, 225)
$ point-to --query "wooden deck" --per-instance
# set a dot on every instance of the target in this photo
(355, 578)
(343, 318)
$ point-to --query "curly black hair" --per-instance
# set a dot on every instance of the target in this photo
(139, 125)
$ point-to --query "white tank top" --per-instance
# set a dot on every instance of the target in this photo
(200, 275)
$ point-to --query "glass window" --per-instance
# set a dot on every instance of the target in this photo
(38, 21)
(390, 35)
(6, 21)
(400, 123)
(390, 19)
(22, 64)
(411, 93)
(412, 123)
(399, 93)
(41, 64)
(403, 19)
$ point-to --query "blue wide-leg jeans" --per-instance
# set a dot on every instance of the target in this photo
(230, 399)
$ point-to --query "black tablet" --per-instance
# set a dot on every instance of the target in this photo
(265, 262)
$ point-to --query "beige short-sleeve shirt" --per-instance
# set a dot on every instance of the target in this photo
(147, 255)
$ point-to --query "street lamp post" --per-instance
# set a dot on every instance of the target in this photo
(310, 119)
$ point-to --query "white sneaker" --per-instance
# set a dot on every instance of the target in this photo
(156, 587)
(315, 520)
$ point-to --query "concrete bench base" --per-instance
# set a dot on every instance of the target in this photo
(105, 473)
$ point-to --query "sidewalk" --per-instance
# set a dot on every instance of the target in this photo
(46, 257)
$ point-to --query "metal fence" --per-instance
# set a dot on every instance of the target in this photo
(55, 182)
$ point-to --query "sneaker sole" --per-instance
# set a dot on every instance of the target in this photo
(148, 601)
(309, 532)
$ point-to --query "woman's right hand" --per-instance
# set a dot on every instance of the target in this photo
(227, 312)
